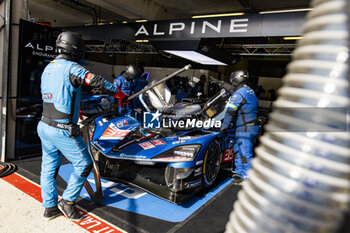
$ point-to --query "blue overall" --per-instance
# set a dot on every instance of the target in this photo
(137, 85)
(180, 95)
(198, 88)
(125, 86)
(242, 114)
(61, 92)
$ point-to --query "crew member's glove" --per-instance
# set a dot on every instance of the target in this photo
(122, 97)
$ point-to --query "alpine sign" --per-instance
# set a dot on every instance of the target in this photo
(249, 25)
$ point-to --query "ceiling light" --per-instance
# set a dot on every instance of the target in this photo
(142, 41)
(292, 38)
(141, 20)
(196, 57)
(218, 15)
(285, 11)
(196, 51)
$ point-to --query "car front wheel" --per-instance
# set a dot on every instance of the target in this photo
(211, 164)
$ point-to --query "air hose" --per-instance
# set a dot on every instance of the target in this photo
(300, 178)
(7, 169)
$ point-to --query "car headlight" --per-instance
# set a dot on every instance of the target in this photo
(179, 154)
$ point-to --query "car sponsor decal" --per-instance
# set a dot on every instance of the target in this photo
(199, 162)
(122, 123)
(113, 133)
(198, 171)
(88, 78)
(132, 156)
(146, 145)
(228, 155)
(158, 142)
(193, 184)
(113, 126)
(178, 142)
(47, 96)
(119, 196)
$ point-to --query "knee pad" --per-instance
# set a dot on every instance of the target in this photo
(87, 170)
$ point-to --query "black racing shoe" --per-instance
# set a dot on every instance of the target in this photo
(235, 175)
(52, 212)
(238, 181)
(68, 209)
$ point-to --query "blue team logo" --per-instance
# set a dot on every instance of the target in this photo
(151, 120)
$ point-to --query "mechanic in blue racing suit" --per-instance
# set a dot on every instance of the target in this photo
(61, 84)
(124, 82)
(242, 110)
(138, 84)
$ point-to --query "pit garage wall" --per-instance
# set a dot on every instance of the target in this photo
(2, 33)
(270, 83)
(2, 13)
(18, 11)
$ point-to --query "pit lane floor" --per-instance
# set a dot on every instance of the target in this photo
(17, 217)
(210, 217)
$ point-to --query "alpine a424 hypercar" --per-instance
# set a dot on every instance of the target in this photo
(170, 162)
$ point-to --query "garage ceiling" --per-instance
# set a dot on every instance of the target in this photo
(82, 12)
(66, 13)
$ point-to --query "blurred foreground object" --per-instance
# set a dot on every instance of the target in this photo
(300, 180)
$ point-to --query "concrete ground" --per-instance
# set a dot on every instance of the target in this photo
(104, 218)
(20, 213)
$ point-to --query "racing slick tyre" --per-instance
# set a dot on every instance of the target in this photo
(211, 164)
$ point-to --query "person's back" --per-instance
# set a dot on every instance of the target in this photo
(139, 84)
(58, 91)
(249, 106)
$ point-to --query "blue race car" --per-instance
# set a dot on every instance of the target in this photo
(170, 162)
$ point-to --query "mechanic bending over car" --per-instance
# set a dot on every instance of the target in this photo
(61, 84)
(242, 113)
(124, 83)
(140, 82)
